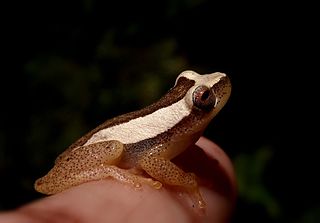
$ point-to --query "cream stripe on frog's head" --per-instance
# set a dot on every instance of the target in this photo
(218, 82)
(204, 79)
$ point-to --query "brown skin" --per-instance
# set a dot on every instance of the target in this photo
(111, 201)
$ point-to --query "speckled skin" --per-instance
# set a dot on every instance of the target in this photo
(81, 163)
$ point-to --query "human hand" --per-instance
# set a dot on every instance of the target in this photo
(112, 201)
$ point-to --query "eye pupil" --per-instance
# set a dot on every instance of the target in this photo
(204, 98)
(205, 95)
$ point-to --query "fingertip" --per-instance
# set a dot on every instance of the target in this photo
(214, 152)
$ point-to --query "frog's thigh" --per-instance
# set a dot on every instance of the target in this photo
(74, 168)
(107, 152)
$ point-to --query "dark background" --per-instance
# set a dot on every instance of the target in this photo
(70, 65)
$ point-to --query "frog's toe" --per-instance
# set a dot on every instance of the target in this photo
(137, 185)
(157, 184)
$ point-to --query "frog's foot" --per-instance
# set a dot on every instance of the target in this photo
(196, 197)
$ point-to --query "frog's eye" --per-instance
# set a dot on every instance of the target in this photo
(203, 98)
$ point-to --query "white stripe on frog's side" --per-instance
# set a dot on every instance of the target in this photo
(145, 127)
(151, 125)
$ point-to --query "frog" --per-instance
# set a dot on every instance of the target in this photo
(137, 148)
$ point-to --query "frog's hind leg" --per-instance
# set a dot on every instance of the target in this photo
(92, 162)
(91, 174)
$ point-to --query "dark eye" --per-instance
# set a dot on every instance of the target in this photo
(203, 98)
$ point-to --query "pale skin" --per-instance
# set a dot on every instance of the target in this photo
(96, 201)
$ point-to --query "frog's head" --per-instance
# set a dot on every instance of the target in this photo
(209, 93)
(206, 95)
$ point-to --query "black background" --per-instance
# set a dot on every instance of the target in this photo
(269, 50)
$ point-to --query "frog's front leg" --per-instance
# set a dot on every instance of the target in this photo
(87, 163)
(167, 172)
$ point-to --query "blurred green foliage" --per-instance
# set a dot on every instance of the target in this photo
(250, 171)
